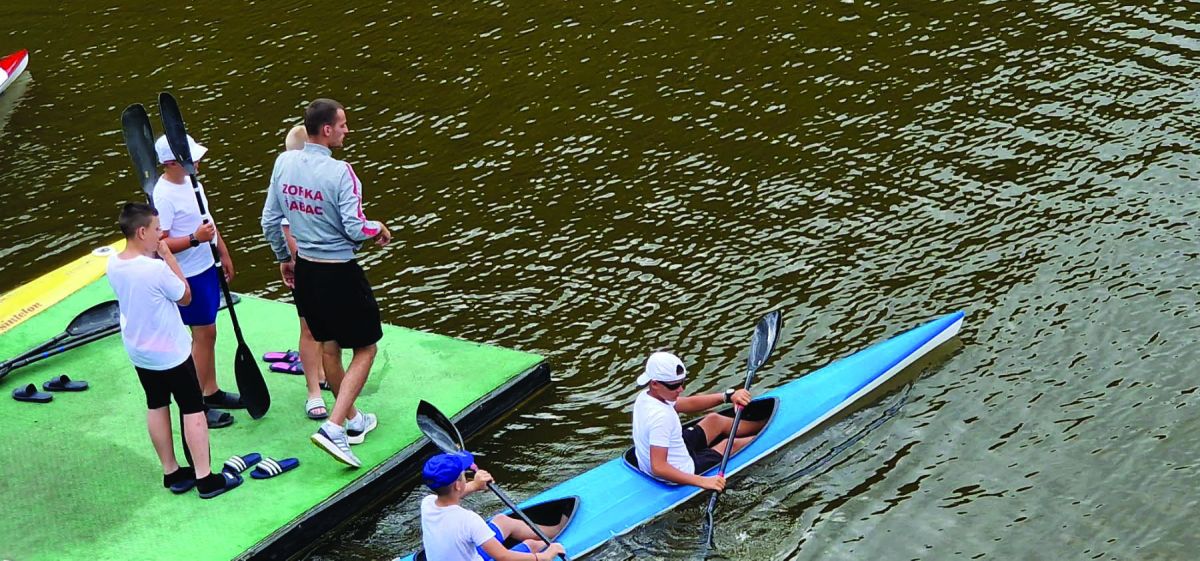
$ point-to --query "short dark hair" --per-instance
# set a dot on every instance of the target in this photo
(319, 113)
(134, 216)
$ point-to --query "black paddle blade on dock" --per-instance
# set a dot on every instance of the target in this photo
(250, 383)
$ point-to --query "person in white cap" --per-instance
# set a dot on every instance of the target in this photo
(667, 451)
(188, 236)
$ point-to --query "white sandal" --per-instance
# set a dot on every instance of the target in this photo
(316, 403)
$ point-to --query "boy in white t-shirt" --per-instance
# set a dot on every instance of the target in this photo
(453, 533)
(188, 236)
(160, 348)
(667, 451)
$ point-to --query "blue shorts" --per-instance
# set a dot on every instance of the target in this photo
(206, 298)
(522, 548)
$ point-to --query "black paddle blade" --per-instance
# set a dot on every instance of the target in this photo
(139, 141)
(104, 315)
(173, 127)
(766, 334)
(708, 520)
(435, 426)
(250, 383)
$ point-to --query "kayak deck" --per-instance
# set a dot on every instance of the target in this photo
(616, 497)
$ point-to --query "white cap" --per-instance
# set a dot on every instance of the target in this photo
(163, 148)
(662, 367)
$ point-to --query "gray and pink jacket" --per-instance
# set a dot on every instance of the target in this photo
(321, 199)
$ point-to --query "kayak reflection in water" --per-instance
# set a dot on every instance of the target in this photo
(667, 451)
(453, 533)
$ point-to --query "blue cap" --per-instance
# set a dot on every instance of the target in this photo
(444, 469)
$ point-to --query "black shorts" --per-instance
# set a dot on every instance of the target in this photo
(700, 449)
(336, 301)
(299, 311)
(179, 381)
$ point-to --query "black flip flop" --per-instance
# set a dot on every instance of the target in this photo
(29, 393)
(62, 383)
(218, 419)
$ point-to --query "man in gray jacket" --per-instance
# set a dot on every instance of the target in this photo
(322, 200)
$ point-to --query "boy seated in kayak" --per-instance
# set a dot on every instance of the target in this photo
(160, 347)
(453, 533)
(667, 451)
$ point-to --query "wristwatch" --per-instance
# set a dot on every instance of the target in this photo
(192, 241)
(729, 395)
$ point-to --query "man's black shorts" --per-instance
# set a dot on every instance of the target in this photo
(700, 449)
(179, 381)
(336, 301)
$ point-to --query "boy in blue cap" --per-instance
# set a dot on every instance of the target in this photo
(453, 533)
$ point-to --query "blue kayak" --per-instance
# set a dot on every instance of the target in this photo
(614, 498)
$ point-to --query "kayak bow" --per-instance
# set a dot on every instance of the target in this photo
(615, 497)
(11, 66)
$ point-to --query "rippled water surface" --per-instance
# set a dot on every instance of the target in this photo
(593, 180)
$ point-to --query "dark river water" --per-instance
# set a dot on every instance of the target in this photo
(590, 181)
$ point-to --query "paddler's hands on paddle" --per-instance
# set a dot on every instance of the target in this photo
(206, 232)
(553, 551)
(713, 483)
(741, 397)
(479, 483)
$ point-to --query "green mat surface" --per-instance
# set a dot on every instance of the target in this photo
(80, 480)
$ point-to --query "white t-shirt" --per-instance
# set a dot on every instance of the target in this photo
(452, 533)
(147, 290)
(179, 216)
(657, 424)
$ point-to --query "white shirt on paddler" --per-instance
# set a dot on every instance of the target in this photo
(451, 533)
(179, 215)
(147, 291)
(656, 423)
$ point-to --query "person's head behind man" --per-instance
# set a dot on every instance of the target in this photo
(325, 123)
(139, 224)
(445, 473)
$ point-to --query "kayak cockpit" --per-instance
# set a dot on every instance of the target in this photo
(556, 514)
(761, 409)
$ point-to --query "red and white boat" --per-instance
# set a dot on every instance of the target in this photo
(11, 66)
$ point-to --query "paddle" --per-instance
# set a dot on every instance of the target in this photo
(766, 334)
(245, 367)
(445, 436)
(93, 319)
(42, 354)
(139, 141)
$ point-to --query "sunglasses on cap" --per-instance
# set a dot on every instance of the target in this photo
(673, 385)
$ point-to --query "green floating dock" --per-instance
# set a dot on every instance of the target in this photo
(80, 480)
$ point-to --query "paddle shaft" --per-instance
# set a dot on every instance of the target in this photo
(9, 366)
(512, 506)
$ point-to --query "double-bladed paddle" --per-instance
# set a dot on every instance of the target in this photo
(94, 323)
(249, 378)
(766, 334)
(445, 436)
